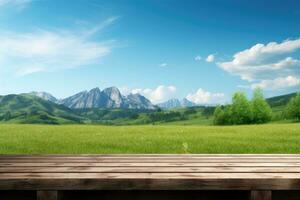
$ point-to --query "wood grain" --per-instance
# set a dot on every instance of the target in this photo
(139, 164)
(150, 172)
(134, 169)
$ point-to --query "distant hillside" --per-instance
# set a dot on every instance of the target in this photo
(28, 108)
(199, 114)
(111, 98)
(113, 116)
(280, 100)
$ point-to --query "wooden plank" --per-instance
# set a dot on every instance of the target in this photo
(74, 160)
(150, 175)
(124, 164)
(47, 195)
(153, 172)
(87, 169)
(134, 159)
(261, 195)
(158, 183)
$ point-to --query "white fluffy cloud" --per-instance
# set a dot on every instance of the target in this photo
(204, 97)
(278, 83)
(158, 94)
(264, 63)
(44, 50)
(210, 58)
(163, 93)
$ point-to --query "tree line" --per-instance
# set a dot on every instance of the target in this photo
(254, 111)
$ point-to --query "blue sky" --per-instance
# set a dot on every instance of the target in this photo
(203, 50)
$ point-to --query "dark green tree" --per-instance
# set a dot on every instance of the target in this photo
(222, 116)
(228, 115)
(293, 108)
(261, 110)
(241, 112)
(218, 116)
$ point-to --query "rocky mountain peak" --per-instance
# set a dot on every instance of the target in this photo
(108, 98)
(95, 90)
(186, 103)
(112, 91)
(176, 103)
(115, 96)
(138, 101)
(44, 95)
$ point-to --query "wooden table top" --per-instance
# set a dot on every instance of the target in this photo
(150, 172)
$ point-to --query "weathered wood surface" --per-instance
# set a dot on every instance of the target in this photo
(150, 172)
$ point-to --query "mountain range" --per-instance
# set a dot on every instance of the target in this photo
(95, 98)
(108, 98)
(176, 103)
(106, 107)
(112, 98)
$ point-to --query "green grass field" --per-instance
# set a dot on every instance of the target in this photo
(75, 139)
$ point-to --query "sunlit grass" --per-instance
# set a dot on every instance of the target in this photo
(80, 139)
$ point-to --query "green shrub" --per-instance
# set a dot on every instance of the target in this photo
(242, 111)
(261, 110)
(293, 108)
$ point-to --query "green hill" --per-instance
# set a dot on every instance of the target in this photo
(280, 100)
(112, 116)
(200, 115)
(30, 109)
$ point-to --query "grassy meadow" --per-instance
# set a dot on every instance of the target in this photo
(92, 139)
